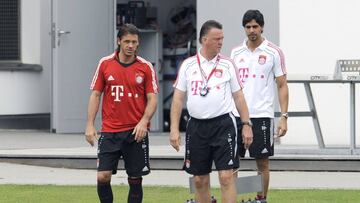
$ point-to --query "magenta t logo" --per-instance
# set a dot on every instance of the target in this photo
(117, 91)
(243, 73)
(195, 86)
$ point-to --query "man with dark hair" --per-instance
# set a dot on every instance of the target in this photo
(261, 67)
(209, 81)
(129, 86)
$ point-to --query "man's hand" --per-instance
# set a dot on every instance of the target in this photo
(282, 127)
(91, 134)
(140, 131)
(247, 136)
(175, 139)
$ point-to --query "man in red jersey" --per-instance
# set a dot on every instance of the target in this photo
(129, 86)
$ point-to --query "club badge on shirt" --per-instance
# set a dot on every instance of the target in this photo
(139, 79)
(262, 59)
(218, 73)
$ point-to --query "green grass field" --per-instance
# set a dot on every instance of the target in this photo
(87, 194)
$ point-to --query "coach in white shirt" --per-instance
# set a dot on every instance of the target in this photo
(261, 67)
(210, 82)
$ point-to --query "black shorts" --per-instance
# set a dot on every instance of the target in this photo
(113, 146)
(208, 141)
(263, 140)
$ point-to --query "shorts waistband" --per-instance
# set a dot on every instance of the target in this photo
(217, 118)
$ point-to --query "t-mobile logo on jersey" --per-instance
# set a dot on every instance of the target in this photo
(117, 91)
(243, 73)
(196, 86)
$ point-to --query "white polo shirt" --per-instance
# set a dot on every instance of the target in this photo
(257, 71)
(221, 84)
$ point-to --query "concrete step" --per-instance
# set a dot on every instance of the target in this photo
(165, 158)
(71, 151)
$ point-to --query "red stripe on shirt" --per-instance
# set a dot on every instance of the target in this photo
(236, 69)
(153, 75)
(97, 69)
(281, 54)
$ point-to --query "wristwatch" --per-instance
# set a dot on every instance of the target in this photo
(285, 115)
(249, 123)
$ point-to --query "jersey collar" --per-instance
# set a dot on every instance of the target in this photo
(261, 47)
(204, 60)
(116, 56)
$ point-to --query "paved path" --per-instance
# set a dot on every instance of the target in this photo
(44, 143)
(23, 174)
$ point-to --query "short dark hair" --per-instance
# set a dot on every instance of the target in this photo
(127, 29)
(207, 26)
(253, 15)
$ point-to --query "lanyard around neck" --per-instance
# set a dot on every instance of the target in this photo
(203, 72)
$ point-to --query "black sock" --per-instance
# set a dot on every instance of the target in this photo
(104, 192)
(135, 191)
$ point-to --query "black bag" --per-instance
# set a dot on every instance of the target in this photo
(137, 13)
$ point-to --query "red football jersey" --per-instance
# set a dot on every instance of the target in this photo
(124, 91)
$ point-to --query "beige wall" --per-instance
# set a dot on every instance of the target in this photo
(313, 35)
(27, 92)
(230, 14)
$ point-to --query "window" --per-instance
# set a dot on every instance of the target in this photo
(9, 30)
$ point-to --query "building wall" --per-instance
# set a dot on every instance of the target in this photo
(312, 43)
(229, 14)
(27, 92)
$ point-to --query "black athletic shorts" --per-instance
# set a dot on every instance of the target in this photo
(113, 146)
(208, 141)
(263, 140)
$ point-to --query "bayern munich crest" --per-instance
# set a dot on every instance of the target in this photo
(139, 79)
(262, 59)
(218, 73)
